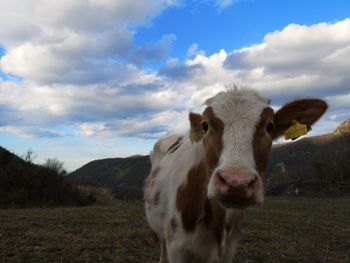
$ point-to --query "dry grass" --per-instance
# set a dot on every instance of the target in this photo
(297, 230)
(283, 230)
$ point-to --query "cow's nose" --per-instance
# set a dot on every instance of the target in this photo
(235, 180)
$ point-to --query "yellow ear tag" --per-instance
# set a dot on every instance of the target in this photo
(295, 131)
(194, 137)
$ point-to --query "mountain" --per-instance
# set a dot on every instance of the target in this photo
(310, 166)
(113, 172)
(9, 160)
(313, 165)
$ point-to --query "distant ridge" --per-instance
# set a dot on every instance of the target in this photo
(343, 129)
(113, 172)
(313, 165)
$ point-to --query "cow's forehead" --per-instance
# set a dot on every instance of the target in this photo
(235, 105)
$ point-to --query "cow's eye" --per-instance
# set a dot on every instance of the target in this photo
(205, 126)
(269, 127)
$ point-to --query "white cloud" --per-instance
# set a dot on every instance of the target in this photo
(31, 109)
(299, 60)
(339, 101)
(154, 126)
(153, 51)
(73, 41)
(67, 85)
(193, 50)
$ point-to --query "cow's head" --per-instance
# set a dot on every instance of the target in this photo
(236, 129)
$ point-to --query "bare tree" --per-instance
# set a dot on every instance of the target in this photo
(55, 165)
(29, 156)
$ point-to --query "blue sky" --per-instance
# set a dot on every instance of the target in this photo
(243, 23)
(88, 79)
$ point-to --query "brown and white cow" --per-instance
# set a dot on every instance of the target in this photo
(199, 186)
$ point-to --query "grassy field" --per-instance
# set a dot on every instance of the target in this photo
(282, 230)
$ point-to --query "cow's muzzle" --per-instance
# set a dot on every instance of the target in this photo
(236, 188)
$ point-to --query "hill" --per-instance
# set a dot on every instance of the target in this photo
(9, 160)
(310, 166)
(124, 176)
(24, 184)
(113, 172)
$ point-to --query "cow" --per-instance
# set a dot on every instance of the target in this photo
(200, 184)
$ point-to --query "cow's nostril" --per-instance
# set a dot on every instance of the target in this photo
(221, 178)
(252, 181)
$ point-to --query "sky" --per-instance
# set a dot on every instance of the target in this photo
(91, 79)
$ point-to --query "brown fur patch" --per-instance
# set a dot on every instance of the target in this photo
(212, 139)
(196, 127)
(262, 140)
(156, 198)
(195, 207)
(152, 201)
(152, 176)
(171, 229)
(175, 148)
(175, 145)
(149, 182)
(214, 220)
(190, 198)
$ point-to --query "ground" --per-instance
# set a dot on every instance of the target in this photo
(282, 230)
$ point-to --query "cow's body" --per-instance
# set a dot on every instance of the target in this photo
(196, 191)
(204, 241)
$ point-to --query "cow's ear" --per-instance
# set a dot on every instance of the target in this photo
(304, 111)
(196, 124)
